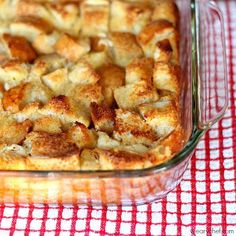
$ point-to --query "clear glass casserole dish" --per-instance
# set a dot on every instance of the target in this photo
(203, 100)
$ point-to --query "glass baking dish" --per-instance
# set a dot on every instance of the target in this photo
(204, 101)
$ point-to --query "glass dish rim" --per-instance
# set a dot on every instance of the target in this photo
(197, 133)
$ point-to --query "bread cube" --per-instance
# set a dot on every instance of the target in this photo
(12, 132)
(30, 27)
(83, 73)
(57, 81)
(166, 77)
(89, 160)
(95, 17)
(129, 16)
(48, 124)
(112, 77)
(16, 98)
(139, 69)
(125, 47)
(67, 110)
(71, 48)
(158, 31)
(18, 48)
(130, 129)
(13, 72)
(82, 136)
(132, 95)
(162, 116)
(103, 117)
(45, 43)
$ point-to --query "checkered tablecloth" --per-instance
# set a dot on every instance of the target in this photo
(203, 204)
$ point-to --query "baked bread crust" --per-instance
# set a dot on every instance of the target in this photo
(89, 85)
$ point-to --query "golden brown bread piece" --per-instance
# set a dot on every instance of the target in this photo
(30, 111)
(166, 10)
(98, 59)
(13, 72)
(71, 48)
(89, 160)
(167, 77)
(42, 144)
(48, 124)
(45, 43)
(83, 73)
(17, 97)
(51, 152)
(130, 128)
(167, 147)
(19, 48)
(103, 117)
(13, 99)
(158, 31)
(46, 64)
(132, 95)
(86, 94)
(175, 141)
(30, 27)
(65, 16)
(163, 51)
(12, 132)
(82, 136)
(129, 16)
(106, 142)
(162, 116)
(99, 44)
(112, 77)
(12, 161)
(65, 109)
(31, 8)
(125, 48)
(57, 81)
(139, 69)
(95, 17)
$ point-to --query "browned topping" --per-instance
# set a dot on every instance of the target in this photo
(53, 145)
(101, 112)
(13, 98)
(20, 48)
(153, 28)
(36, 22)
(12, 132)
(103, 117)
(60, 103)
(103, 94)
(131, 129)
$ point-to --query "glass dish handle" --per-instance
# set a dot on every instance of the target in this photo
(212, 77)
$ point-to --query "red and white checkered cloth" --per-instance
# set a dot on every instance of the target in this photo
(203, 204)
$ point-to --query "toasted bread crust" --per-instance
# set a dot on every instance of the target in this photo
(125, 47)
(19, 48)
(43, 144)
(103, 117)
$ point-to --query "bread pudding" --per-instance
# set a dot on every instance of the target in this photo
(89, 84)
